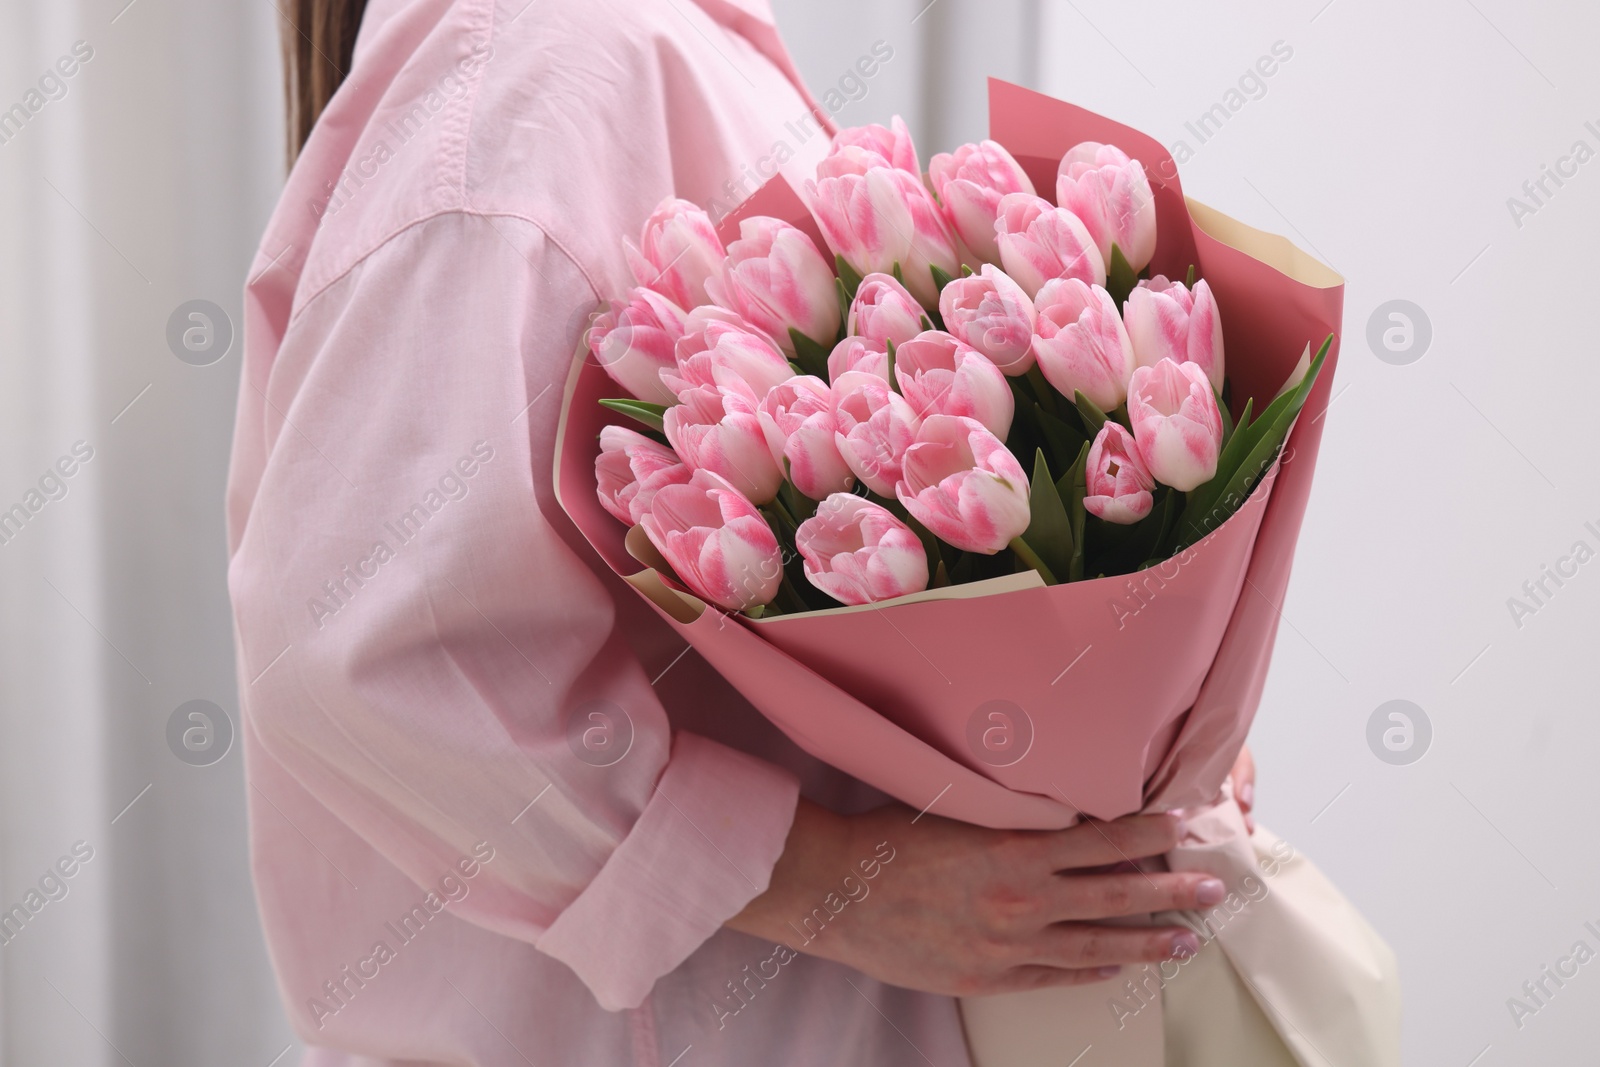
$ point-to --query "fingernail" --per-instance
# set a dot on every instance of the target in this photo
(1209, 892)
(1247, 795)
(1108, 972)
(1185, 945)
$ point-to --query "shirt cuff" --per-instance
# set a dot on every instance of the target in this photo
(702, 849)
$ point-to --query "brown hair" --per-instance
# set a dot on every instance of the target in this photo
(318, 39)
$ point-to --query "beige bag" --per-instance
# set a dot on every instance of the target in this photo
(1289, 975)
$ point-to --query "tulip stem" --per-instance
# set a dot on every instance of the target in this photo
(1031, 558)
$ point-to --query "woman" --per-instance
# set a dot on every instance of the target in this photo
(445, 872)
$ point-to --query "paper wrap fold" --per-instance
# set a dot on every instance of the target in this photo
(1113, 695)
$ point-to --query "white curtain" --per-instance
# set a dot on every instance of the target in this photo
(133, 184)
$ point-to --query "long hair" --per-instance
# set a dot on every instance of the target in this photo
(318, 39)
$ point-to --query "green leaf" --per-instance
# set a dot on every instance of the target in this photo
(1049, 533)
(940, 278)
(941, 577)
(1188, 279)
(1029, 559)
(898, 276)
(848, 277)
(810, 355)
(1076, 488)
(649, 414)
(967, 271)
(889, 364)
(1227, 420)
(846, 298)
(927, 323)
(1121, 278)
(1093, 417)
(1063, 439)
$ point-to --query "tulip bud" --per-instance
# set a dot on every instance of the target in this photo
(776, 278)
(859, 553)
(890, 143)
(716, 541)
(963, 485)
(855, 354)
(991, 313)
(1111, 194)
(1119, 487)
(719, 430)
(630, 469)
(635, 342)
(719, 349)
(1081, 345)
(884, 311)
(1038, 243)
(969, 183)
(1176, 423)
(677, 251)
(797, 418)
(1168, 321)
(939, 375)
(883, 218)
(875, 426)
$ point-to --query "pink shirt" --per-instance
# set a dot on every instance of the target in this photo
(422, 635)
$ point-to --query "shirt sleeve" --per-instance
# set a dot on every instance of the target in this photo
(423, 642)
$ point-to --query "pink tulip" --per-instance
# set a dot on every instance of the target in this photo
(850, 160)
(777, 279)
(1119, 487)
(881, 218)
(677, 251)
(964, 486)
(797, 418)
(1081, 345)
(892, 143)
(969, 183)
(635, 342)
(1111, 194)
(719, 349)
(875, 427)
(630, 469)
(716, 541)
(1176, 423)
(719, 430)
(1168, 321)
(859, 553)
(991, 313)
(1038, 242)
(884, 311)
(939, 375)
(856, 354)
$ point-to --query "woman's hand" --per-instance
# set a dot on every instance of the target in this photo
(950, 908)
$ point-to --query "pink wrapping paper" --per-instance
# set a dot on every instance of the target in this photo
(1142, 706)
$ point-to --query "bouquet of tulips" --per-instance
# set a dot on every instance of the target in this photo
(947, 474)
(824, 431)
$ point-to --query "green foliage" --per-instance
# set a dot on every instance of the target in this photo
(649, 414)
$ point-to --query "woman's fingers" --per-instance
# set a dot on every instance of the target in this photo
(1093, 843)
(1084, 946)
(1087, 897)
